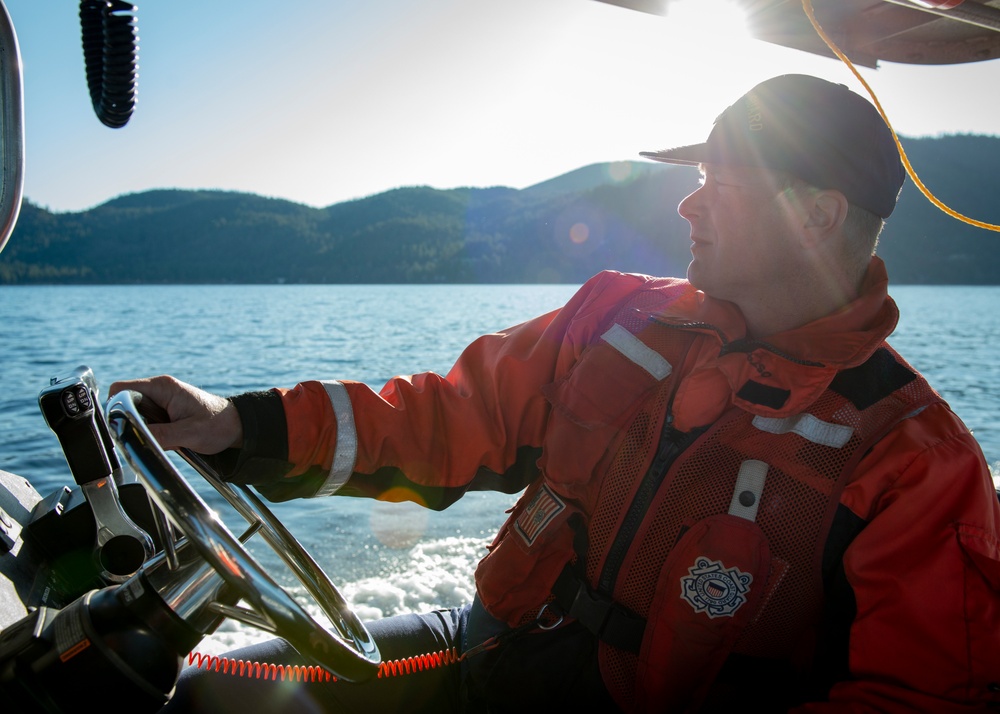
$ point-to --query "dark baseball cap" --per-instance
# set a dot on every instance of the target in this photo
(818, 131)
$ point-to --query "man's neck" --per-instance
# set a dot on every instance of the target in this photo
(796, 303)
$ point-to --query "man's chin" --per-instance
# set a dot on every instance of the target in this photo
(700, 279)
(693, 274)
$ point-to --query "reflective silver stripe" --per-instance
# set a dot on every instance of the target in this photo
(637, 351)
(749, 487)
(347, 439)
(808, 427)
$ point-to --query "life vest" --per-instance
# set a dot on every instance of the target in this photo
(679, 549)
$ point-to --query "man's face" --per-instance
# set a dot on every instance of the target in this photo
(742, 232)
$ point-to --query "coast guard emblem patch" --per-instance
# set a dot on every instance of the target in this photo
(714, 589)
(545, 506)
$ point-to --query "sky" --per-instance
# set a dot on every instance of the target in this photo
(324, 101)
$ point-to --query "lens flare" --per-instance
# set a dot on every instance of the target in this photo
(579, 232)
(400, 519)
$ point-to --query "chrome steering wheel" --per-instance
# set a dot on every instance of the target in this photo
(185, 580)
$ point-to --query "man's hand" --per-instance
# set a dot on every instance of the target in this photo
(200, 421)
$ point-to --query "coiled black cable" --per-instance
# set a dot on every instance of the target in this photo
(110, 54)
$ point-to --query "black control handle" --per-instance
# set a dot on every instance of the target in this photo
(70, 407)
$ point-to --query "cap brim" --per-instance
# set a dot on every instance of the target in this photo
(691, 155)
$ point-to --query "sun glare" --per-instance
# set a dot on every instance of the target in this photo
(716, 22)
(713, 47)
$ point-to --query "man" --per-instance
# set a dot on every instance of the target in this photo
(735, 492)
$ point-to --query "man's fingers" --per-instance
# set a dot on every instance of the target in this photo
(182, 415)
(158, 389)
(164, 435)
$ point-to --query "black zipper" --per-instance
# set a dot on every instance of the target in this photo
(672, 444)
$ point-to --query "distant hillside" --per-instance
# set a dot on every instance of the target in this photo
(620, 216)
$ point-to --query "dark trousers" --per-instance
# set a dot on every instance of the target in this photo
(546, 671)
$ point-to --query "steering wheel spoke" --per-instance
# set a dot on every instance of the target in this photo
(244, 615)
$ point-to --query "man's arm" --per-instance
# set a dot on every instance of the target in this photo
(924, 572)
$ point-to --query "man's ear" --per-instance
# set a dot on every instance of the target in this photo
(827, 210)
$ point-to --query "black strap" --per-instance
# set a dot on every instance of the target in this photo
(609, 621)
(763, 394)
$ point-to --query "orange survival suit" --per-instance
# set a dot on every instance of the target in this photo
(708, 504)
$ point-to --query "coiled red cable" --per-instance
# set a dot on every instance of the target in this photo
(305, 673)
(418, 663)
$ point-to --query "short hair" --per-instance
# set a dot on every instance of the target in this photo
(864, 228)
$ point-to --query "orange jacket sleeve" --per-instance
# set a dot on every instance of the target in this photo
(429, 438)
(924, 572)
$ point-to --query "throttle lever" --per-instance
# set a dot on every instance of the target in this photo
(70, 407)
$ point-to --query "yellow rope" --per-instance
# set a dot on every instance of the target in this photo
(807, 6)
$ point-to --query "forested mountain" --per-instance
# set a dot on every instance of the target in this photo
(621, 216)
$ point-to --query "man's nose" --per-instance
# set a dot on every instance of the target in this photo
(690, 205)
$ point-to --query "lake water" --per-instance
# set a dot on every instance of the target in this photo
(385, 558)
